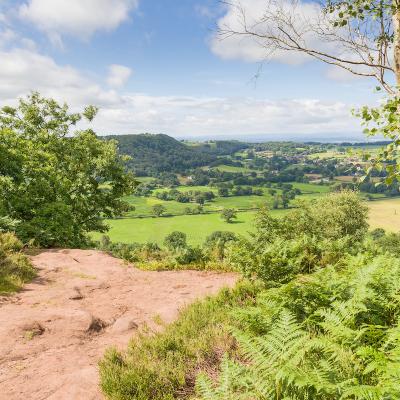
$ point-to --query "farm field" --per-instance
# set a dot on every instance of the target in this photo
(196, 227)
(231, 168)
(143, 205)
(307, 188)
(385, 214)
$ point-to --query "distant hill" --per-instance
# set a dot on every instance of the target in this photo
(153, 154)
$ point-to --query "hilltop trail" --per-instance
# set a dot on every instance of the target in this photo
(53, 333)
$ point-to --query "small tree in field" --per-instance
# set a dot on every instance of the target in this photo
(158, 210)
(223, 192)
(59, 183)
(228, 215)
(175, 240)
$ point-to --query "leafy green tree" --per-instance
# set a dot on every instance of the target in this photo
(223, 192)
(217, 242)
(199, 199)
(158, 210)
(175, 240)
(285, 200)
(228, 214)
(58, 182)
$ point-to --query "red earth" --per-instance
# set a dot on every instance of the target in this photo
(53, 332)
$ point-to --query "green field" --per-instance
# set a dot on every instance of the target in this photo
(383, 214)
(231, 168)
(143, 206)
(196, 227)
(185, 189)
(133, 228)
(307, 188)
(145, 179)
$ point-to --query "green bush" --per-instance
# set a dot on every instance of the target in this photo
(387, 242)
(333, 334)
(317, 234)
(175, 240)
(15, 268)
(177, 256)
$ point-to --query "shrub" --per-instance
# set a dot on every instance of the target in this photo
(318, 234)
(191, 255)
(387, 242)
(15, 268)
(217, 243)
(175, 240)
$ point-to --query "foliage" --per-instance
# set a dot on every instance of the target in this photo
(158, 210)
(15, 268)
(175, 240)
(176, 255)
(162, 366)
(384, 121)
(7, 224)
(330, 335)
(52, 180)
(317, 234)
(387, 242)
(217, 243)
(155, 154)
(228, 214)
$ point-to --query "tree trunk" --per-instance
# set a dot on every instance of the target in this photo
(396, 40)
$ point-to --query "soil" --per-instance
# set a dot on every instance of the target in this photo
(54, 332)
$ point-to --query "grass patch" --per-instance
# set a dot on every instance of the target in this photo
(385, 214)
(196, 227)
(231, 168)
(308, 188)
(15, 268)
(163, 366)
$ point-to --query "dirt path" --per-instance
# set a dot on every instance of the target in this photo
(53, 333)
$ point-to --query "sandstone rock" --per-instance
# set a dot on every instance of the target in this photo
(124, 324)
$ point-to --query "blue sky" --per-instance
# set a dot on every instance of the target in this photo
(158, 66)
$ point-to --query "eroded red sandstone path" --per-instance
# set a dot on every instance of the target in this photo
(53, 333)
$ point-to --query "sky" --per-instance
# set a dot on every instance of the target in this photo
(159, 66)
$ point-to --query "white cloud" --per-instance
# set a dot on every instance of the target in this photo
(23, 70)
(80, 18)
(7, 36)
(191, 116)
(118, 75)
(254, 12)
(303, 20)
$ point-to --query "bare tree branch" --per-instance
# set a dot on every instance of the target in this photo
(363, 46)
